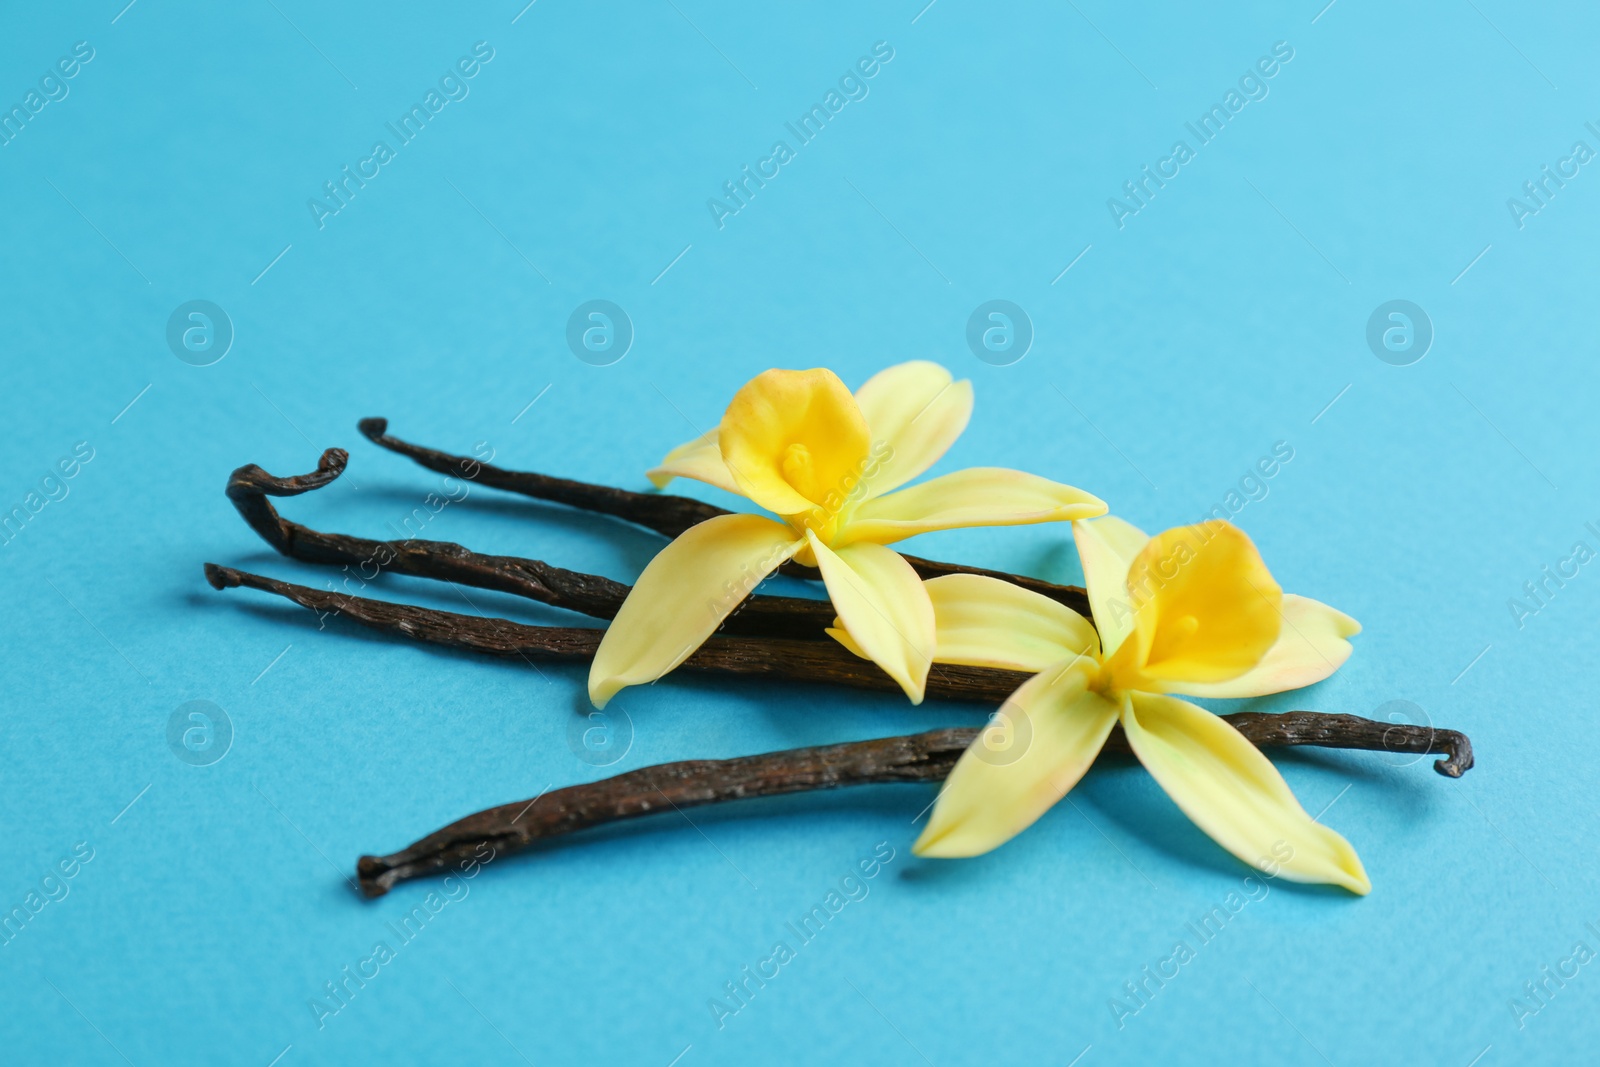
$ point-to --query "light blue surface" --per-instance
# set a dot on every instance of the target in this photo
(1228, 314)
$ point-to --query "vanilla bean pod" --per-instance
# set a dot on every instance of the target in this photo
(780, 658)
(820, 662)
(664, 513)
(924, 757)
(250, 486)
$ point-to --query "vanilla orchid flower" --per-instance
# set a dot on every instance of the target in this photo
(1192, 611)
(798, 444)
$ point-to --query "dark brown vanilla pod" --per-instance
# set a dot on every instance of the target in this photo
(817, 661)
(664, 513)
(812, 661)
(592, 595)
(924, 757)
(784, 659)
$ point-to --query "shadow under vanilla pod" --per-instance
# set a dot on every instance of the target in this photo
(770, 636)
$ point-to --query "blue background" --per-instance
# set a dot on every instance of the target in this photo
(1227, 315)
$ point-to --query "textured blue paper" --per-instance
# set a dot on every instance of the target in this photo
(1225, 315)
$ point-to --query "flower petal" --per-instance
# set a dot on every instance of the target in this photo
(1235, 794)
(986, 622)
(1106, 547)
(978, 496)
(1040, 742)
(683, 596)
(700, 459)
(1206, 607)
(881, 603)
(915, 411)
(795, 440)
(841, 635)
(1312, 645)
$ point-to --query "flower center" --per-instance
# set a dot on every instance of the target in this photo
(797, 467)
(800, 468)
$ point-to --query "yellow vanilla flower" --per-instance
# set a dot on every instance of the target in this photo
(800, 445)
(1192, 611)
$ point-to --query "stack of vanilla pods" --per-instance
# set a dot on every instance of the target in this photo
(769, 636)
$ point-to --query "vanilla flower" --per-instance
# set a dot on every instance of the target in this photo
(798, 444)
(1192, 611)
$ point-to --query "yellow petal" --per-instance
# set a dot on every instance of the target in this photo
(700, 459)
(1107, 547)
(1206, 607)
(795, 441)
(986, 622)
(1040, 742)
(881, 602)
(1235, 794)
(841, 635)
(915, 412)
(683, 596)
(978, 496)
(1312, 645)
